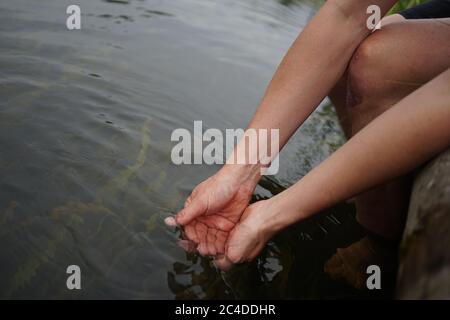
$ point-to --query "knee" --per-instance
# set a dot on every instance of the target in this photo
(367, 69)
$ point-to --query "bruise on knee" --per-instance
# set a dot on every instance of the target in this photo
(396, 60)
(366, 70)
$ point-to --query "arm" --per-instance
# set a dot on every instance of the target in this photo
(396, 142)
(313, 65)
(399, 140)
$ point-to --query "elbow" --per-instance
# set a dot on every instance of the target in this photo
(350, 14)
(345, 9)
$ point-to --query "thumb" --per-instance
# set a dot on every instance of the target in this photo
(196, 208)
(242, 244)
(223, 263)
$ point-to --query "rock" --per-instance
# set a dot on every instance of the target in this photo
(424, 261)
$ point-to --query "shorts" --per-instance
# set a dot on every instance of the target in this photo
(433, 9)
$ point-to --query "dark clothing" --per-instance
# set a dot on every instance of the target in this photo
(433, 9)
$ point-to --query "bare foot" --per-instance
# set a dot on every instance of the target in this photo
(350, 264)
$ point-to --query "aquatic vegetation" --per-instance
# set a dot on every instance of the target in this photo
(404, 4)
(27, 99)
(122, 180)
(8, 213)
(28, 270)
(96, 193)
(76, 209)
(71, 215)
(151, 222)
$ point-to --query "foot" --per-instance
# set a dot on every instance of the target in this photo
(350, 264)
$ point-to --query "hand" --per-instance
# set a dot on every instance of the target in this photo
(249, 236)
(214, 208)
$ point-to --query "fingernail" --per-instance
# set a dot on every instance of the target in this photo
(223, 264)
(170, 222)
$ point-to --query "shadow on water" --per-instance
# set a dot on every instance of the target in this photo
(290, 267)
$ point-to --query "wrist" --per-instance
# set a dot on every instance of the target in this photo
(244, 174)
(280, 212)
(271, 219)
(252, 156)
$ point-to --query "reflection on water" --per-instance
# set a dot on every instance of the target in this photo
(85, 124)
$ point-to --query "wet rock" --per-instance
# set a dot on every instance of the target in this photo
(424, 269)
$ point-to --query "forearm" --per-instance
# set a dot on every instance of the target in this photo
(312, 66)
(396, 142)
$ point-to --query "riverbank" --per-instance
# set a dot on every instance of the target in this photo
(424, 271)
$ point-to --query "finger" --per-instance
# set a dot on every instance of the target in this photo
(170, 222)
(236, 246)
(188, 201)
(221, 239)
(256, 251)
(196, 208)
(216, 243)
(242, 246)
(218, 222)
(195, 191)
(190, 233)
(202, 249)
(201, 230)
(223, 263)
(211, 238)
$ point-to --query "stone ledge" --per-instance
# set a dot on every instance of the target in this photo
(424, 262)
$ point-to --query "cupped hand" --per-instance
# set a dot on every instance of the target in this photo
(213, 209)
(248, 237)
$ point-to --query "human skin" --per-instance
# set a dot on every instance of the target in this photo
(206, 208)
(387, 66)
(396, 142)
(283, 107)
(216, 205)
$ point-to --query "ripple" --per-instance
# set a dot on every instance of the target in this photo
(86, 119)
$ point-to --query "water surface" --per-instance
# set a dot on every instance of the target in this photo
(85, 124)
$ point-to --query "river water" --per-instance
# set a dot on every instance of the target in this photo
(85, 171)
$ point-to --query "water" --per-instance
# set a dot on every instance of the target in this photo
(85, 124)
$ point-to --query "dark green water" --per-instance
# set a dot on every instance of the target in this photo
(85, 170)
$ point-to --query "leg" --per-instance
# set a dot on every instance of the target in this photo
(394, 143)
(389, 64)
(339, 93)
